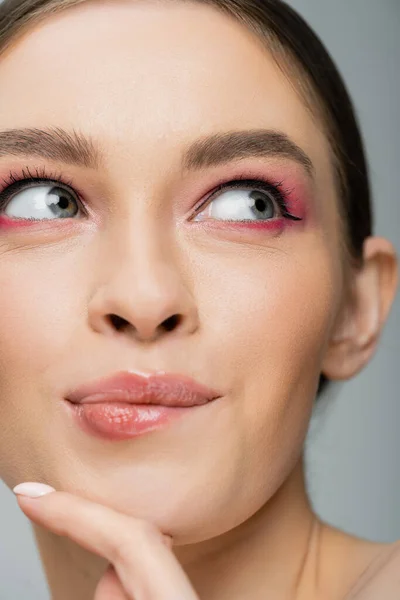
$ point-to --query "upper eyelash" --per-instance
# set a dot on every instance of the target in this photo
(14, 177)
(275, 188)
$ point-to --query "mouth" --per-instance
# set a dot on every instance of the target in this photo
(165, 389)
(129, 404)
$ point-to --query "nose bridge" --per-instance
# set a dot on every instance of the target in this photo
(148, 263)
(143, 281)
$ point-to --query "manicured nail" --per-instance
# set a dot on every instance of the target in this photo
(33, 489)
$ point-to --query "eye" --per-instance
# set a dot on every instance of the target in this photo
(41, 202)
(236, 203)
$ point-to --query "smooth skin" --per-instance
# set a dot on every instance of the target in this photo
(262, 313)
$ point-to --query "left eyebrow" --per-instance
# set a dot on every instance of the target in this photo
(225, 147)
(53, 143)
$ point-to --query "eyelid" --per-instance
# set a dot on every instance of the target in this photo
(240, 182)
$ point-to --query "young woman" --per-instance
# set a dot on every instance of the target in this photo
(187, 259)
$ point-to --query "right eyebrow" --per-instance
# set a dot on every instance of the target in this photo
(53, 143)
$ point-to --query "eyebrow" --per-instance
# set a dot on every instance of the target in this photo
(53, 143)
(80, 150)
(224, 147)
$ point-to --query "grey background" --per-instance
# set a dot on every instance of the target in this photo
(354, 442)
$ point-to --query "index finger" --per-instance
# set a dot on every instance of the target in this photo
(144, 564)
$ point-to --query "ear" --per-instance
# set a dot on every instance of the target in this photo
(360, 322)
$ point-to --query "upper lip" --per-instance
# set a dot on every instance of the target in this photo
(137, 388)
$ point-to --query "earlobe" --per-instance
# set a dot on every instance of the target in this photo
(364, 313)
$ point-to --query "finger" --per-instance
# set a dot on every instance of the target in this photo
(144, 564)
(109, 587)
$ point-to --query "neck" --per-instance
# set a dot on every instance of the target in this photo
(275, 551)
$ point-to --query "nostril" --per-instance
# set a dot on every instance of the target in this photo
(118, 322)
(171, 323)
(168, 325)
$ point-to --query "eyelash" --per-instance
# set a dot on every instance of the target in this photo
(40, 176)
(276, 189)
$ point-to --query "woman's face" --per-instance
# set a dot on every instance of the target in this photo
(257, 300)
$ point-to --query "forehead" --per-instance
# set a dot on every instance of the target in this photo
(133, 73)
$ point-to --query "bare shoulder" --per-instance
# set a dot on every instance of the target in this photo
(358, 569)
(381, 577)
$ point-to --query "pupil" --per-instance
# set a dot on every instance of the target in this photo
(63, 203)
(260, 205)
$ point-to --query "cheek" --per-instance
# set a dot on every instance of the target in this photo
(38, 314)
(272, 318)
(32, 318)
(269, 304)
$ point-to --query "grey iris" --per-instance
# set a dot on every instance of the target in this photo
(263, 207)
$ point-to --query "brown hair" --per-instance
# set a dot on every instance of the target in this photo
(296, 48)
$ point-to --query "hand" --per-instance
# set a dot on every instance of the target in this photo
(142, 566)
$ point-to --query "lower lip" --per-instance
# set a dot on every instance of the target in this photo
(123, 421)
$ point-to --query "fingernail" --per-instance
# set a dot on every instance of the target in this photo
(33, 489)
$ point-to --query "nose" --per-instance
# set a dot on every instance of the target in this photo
(144, 294)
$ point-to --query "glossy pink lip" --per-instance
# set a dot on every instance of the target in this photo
(133, 388)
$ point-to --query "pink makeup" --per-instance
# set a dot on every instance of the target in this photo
(8, 223)
(288, 184)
